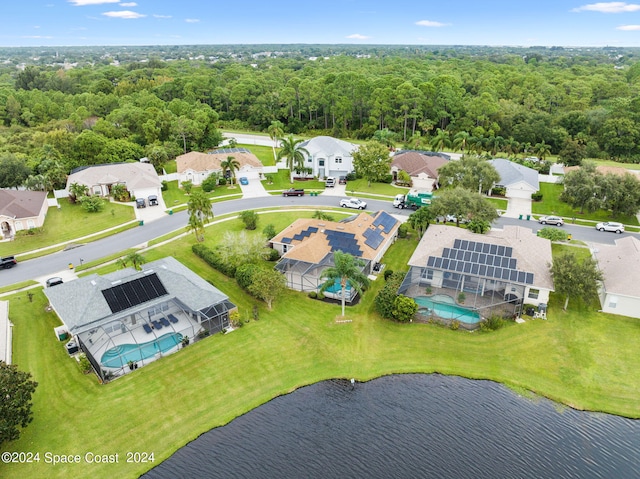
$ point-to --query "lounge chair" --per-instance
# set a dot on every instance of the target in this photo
(156, 324)
(172, 318)
(164, 321)
(146, 327)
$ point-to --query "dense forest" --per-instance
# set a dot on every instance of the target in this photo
(64, 108)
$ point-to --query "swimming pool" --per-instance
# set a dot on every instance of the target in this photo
(337, 288)
(444, 306)
(121, 355)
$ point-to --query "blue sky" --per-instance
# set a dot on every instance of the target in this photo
(416, 22)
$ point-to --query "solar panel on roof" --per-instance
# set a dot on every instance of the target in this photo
(478, 247)
(506, 273)
(474, 257)
(504, 262)
(467, 267)
(471, 246)
(460, 266)
(483, 270)
(482, 258)
(467, 255)
(133, 293)
(445, 263)
(497, 273)
(285, 240)
(529, 279)
(493, 248)
(464, 244)
(431, 261)
(490, 271)
(514, 275)
(486, 247)
(512, 263)
(521, 276)
(438, 263)
(500, 250)
(460, 255)
(475, 268)
(508, 251)
(374, 240)
(312, 229)
(456, 244)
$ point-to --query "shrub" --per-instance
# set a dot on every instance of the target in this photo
(222, 181)
(92, 204)
(384, 301)
(245, 274)
(387, 179)
(320, 295)
(461, 297)
(402, 230)
(351, 176)
(404, 308)
(455, 325)
(250, 219)
(552, 234)
(536, 196)
(492, 323)
(479, 226)
(210, 183)
(165, 185)
(273, 255)
(499, 191)
(387, 273)
(187, 186)
(312, 294)
(213, 259)
(269, 231)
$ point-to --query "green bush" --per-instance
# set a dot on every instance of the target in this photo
(213, 259)
(461, 297)
(269, 231)
(92, 204)
(492, 323)
(384, 302)
(402, 230)
(552, 234)
(245, 274)
(536, 196)
(312, 294)
(499, 191)
(387, 273)
(273, 255)
(455, 325)
(165, 185)
(250, 219)
(209, 183)
(404, 308)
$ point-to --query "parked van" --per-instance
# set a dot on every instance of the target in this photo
(330, 182)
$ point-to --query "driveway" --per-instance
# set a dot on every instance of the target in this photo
(151, 213)
(253, 189)
(517, 207)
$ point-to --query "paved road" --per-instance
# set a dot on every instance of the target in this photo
(53, 264)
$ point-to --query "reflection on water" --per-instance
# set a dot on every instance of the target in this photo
(411, 426)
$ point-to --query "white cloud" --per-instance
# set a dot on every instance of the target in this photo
(161, 16)
(191, 20)
(37, 36)
(129, 4)
(609, 7)
(357, 36)
(127, 14)
(82, 3)
(628, 28)
(429, 23)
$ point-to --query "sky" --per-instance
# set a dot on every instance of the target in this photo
(415, 22)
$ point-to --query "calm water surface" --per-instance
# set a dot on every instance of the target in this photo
(411, 426)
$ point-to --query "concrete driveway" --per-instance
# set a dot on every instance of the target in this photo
(517, 207)
(253, 189)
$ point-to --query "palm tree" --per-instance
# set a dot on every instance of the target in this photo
(200, 213)
(440, 140)
(461, 141)
(346, 269)
(275, 130)
(386, 137)
(542, 150)
(230, 165)
(294, 153)
(77, 191)
(136, 260)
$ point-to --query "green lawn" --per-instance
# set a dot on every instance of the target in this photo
(551, 205)
(67, 223)
(357, 187)
(281, 182)
(499, 203)
(264, 153)
(175, 196)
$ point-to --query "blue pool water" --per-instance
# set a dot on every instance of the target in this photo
(337, 288)
(445, 307)
(121, 355)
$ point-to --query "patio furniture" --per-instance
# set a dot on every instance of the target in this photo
(172, 318)
(156, 324)
(164, 321)
(146, 327)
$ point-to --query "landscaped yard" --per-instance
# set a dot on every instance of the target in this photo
(499, 203)
(175, 196)
(581, 358)
(67, 223)
(281, 182)
(551, 205)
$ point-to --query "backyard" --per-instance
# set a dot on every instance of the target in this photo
(581, 358)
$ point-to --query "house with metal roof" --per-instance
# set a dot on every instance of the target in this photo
(308, 244)
(128, 318)
(455, 273)
(421, 166)
(21, 210)
(519, 181)
(196, 167)
(620, 265)
(328, 156)
(140, 179)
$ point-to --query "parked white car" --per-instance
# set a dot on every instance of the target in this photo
(551, 220)
(611, 226)
(354, 203)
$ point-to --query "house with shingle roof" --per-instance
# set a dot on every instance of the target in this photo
(497, 272)
(519, 181)
(307, 245)
(196, 167)
(138, 316)
(328, 156)
(140, 179)
(620, 266)
(20, 210)
(421, 166)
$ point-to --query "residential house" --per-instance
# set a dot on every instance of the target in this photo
(307, 246)
(196, 167)
(329, 156)
(128, 318)
(20, 210)
(519, 181)
(496, 272)
(140, 179)
(620, 266)
(421, 166)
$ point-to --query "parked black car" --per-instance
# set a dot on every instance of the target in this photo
(153, 200)
(140, 203)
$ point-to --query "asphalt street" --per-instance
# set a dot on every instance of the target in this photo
(52, 264)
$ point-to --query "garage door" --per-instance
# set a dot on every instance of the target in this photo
(519, 193)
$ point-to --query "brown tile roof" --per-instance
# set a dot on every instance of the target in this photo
(135, 175)
(197, 161)
(415, 162)
(620, 266)
(21, 204)
(533, 254)
(315, 247)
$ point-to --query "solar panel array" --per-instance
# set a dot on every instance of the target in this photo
(345, 242)
(305, 233)
(229, 150)
(481, 259)
(386, 221)
(133, 293)
(373, 237)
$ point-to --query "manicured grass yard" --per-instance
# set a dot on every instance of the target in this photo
(361, 187)
(175, 196)
(67, 223)
(551, 205)
(581, 358)
(281, 182)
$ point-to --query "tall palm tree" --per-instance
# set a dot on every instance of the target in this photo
(294, 153)
(230, 165)
(346, 269)
(461, 141)
(440, 140)
(276, 131)
(200, 213)
(542, 150)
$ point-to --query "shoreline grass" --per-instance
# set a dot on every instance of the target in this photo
(580, 358)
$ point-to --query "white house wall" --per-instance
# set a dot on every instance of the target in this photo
(624, 305)
(520, 189)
